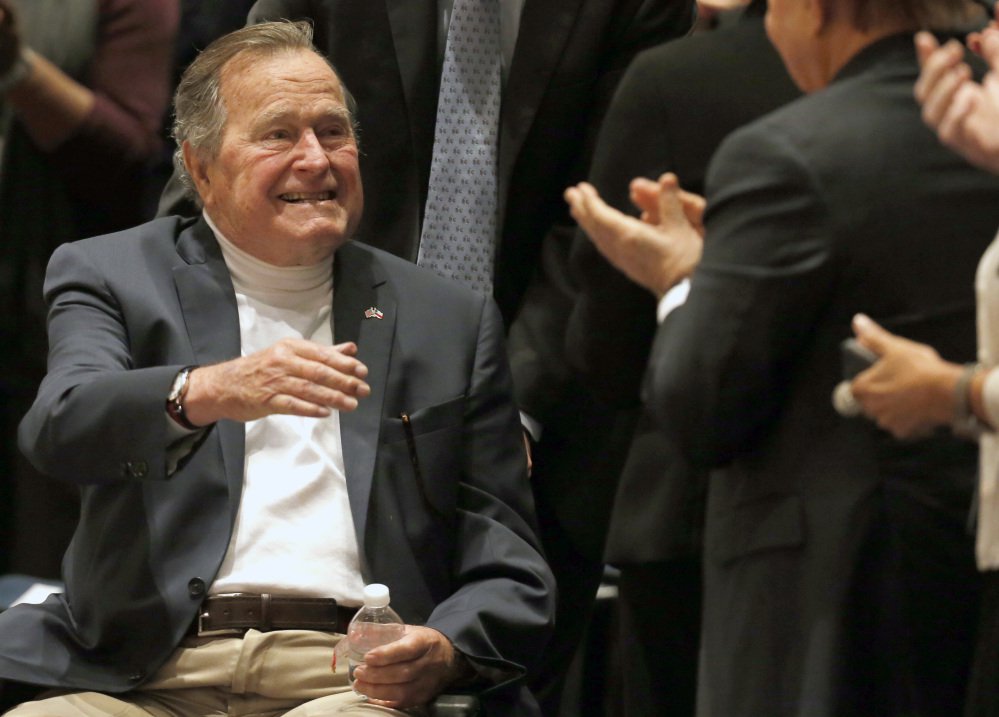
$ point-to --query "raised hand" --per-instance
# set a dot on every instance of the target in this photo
(293, 376)
(964, 113)
(656, 251)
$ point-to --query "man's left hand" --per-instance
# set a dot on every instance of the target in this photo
(411, 671)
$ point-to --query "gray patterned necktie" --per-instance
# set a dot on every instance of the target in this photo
(459, 227)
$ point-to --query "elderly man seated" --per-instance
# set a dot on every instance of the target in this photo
(252, 404)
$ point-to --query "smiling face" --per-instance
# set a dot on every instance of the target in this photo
(285, 185)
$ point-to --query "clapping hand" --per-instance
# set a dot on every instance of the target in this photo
(656, 251)
(964, 113)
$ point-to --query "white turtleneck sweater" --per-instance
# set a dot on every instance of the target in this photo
(294, 534)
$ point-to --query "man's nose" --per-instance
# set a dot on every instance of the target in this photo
(309, 152)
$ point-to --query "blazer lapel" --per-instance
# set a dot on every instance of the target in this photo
(364, 311)
(208, 302)
(544, 29)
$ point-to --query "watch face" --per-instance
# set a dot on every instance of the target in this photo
(178, 386)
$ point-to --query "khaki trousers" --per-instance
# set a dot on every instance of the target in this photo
(262, 674)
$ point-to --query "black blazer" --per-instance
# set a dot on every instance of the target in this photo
(838, 203)
(672, 109)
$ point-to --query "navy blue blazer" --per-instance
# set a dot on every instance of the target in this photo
(127, 311)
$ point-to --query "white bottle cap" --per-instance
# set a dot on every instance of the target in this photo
(376, 595)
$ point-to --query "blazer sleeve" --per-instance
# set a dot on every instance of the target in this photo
(722, 364)
(502, 608)
(83, 425)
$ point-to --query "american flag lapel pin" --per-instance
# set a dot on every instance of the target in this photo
(373, 313)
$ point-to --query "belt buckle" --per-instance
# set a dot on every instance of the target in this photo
(225, 631)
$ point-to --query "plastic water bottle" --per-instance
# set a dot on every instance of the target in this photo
(374, 624)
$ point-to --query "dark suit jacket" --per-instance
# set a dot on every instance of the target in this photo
(127, 311)
(838, 203)
(672, 109)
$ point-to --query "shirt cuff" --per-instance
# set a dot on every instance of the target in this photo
(532, 426)
(673, 299)
(180, 442)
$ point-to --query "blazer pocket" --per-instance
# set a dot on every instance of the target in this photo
(424, 420)
(432, 444)
(770, 523)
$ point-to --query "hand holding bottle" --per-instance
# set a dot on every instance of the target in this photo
(398, 665)
(375, 624)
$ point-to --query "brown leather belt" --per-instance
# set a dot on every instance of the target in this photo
(235, 613)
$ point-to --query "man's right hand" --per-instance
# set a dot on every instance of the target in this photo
(293, 376)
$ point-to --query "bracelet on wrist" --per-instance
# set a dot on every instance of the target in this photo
(965, 424)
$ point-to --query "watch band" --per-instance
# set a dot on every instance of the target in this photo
(175, 401)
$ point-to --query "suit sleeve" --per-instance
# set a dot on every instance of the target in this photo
(82, 425)
(722, 364)
(501, 611)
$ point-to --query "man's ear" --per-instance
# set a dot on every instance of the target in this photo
(197, 168)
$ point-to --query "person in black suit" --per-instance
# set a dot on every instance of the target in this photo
(839, 577)
(674, 106)
(559, 78)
